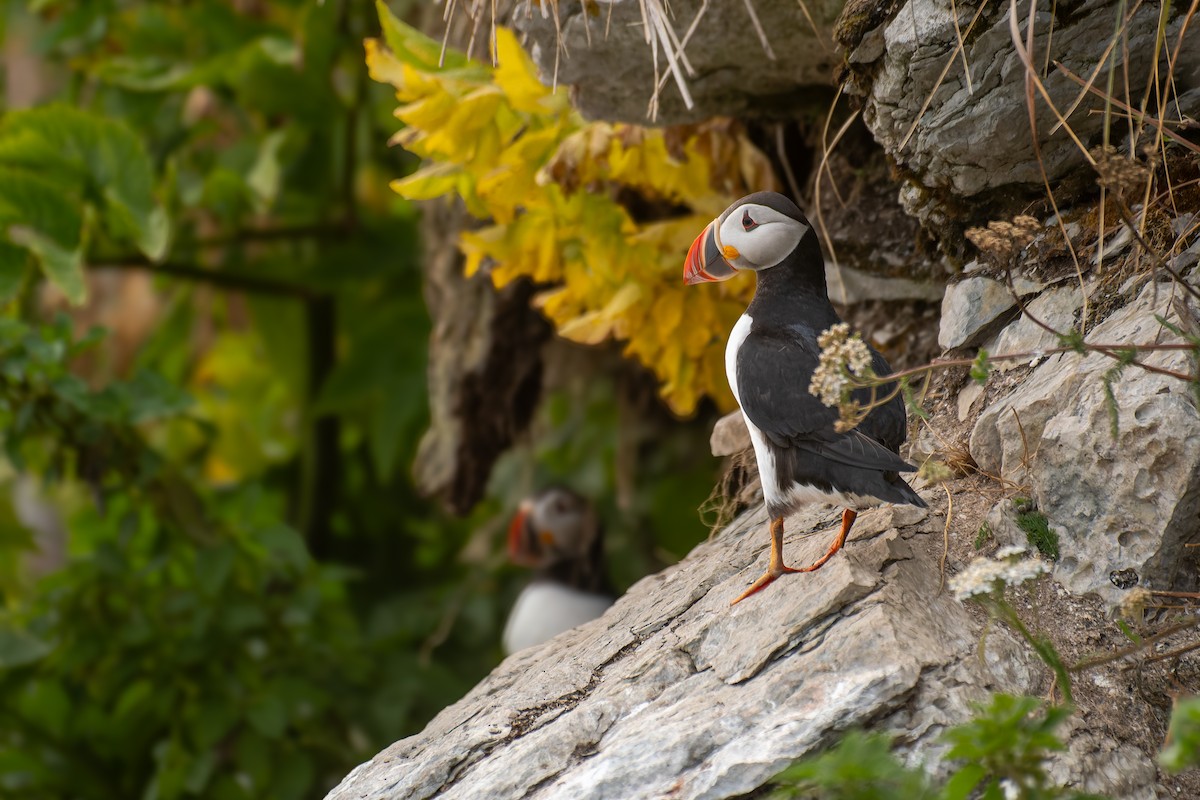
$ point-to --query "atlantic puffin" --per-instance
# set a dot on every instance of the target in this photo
(557, 533)
(769, 361)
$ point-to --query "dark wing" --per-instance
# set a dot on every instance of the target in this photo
(774, 369)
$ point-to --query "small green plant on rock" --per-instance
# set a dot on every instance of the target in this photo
(999, 754)
(983, 535)
(1038, 532)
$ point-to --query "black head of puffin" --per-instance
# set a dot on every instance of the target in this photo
(757, 232)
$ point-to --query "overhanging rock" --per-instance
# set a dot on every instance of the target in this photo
(602, 52)
(963, 137)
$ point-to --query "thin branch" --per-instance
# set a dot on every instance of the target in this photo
(1135, 648)
(1106, 349)
(313, 230)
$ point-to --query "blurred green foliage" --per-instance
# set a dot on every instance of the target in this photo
(251, 597)
(1182, 748)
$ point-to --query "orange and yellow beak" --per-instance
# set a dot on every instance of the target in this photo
(705, 261)
(522, 544)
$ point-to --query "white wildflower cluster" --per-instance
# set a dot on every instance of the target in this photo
(986, 574)
(840, 351)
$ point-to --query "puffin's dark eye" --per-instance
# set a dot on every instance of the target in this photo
(747, 223)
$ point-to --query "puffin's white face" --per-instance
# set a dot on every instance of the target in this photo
(562, 520)
(756, 237)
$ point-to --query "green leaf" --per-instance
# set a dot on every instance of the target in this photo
(215, 717)
(284, 545)
(19, 648)
(861, 766)
(963, 782)
(254, 756)
(106, 155)
(200, 772)
(269, 714)
(394, 414)
(265, 177)
(415, 48)
(1183, 736)
(14, 264)
(133, 700)
(146, 74)
(47, 703)
(214, 565)
(294, 777)
(32, 201)
(981, 368)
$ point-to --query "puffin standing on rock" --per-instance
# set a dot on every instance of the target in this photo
(556, 532)
(770, 360)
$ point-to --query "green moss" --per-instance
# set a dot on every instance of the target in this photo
(1037, 530)
(985, 533)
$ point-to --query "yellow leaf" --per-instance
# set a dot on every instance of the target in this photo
(560, 194)
(428, 113)
(516, 74)
(589, 328)
(432, 181)
(668, 311)
(382, 66)
(457, 136)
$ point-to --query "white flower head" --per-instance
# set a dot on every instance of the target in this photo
(841, 352)
(984, 575)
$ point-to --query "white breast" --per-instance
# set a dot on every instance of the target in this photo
(762, 453)
(545, 609)
(736, 336)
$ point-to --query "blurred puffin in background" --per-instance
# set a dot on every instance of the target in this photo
(556, 532)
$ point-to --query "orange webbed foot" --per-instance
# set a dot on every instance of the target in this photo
(763, 582)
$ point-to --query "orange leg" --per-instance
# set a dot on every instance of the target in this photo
(848, 518)
(776, 567)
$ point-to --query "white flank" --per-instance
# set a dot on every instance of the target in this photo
(545, 609)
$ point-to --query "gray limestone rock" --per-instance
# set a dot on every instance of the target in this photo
(1056, 308)
(1124, 502)
(968, 139)
(485, 365)
(613, 69)
(675, 693)
(969, 307)
(848, 285)
(1098, 764)
(730, 435)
